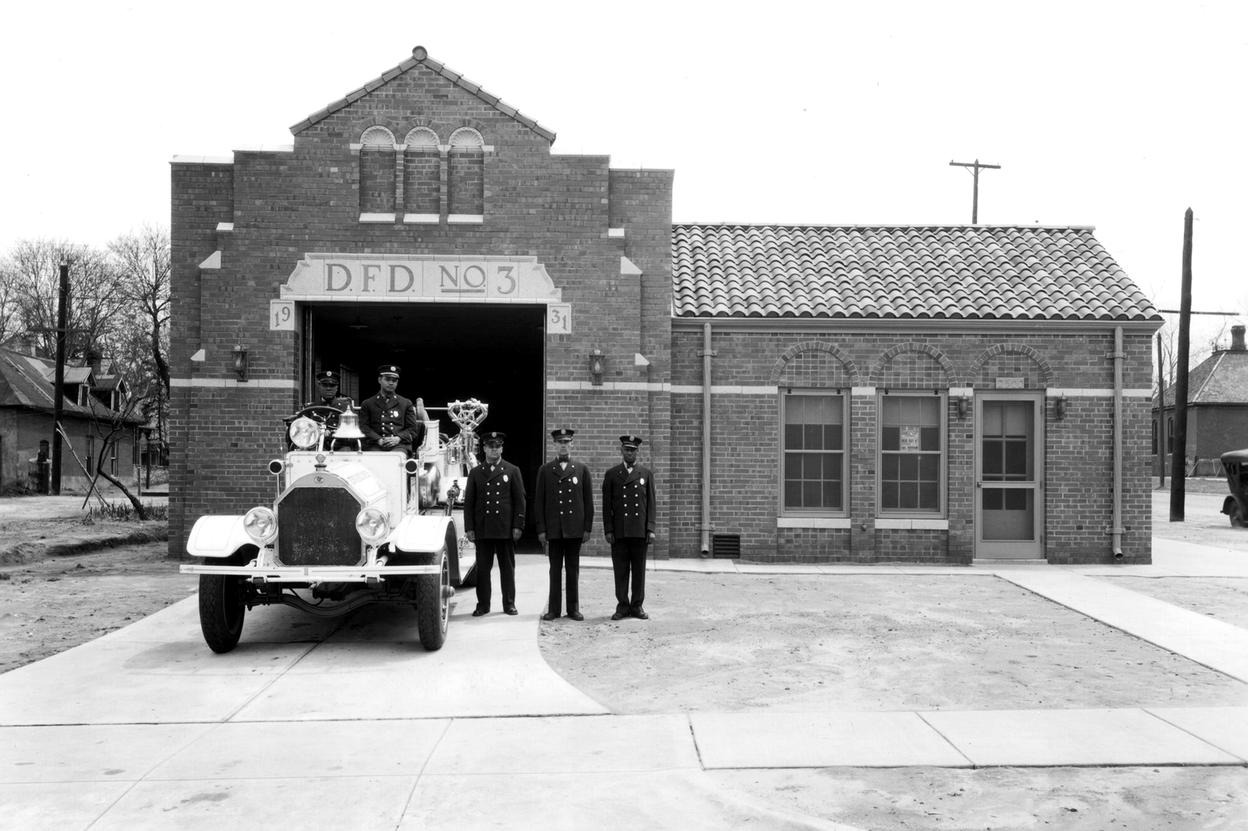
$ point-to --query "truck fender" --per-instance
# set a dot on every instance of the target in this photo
(420, 534)
(1227, 503)
(217, 536)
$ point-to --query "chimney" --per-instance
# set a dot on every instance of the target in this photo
(1237, 338)
(94, 359)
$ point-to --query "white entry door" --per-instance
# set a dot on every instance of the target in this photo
(1009, 475)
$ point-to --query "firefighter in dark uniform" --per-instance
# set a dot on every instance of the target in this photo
(628, 522)
(327, 381)
(564, 511)
(494, 520)
(388, 420)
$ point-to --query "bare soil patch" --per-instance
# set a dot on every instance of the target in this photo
(57, 603)
(865, 642)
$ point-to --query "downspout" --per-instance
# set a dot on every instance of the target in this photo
(707, 354)
(1117, 519)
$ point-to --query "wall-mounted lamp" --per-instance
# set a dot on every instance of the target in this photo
(240, 361)
(595, 367)
(1059, 407)
(964, 405)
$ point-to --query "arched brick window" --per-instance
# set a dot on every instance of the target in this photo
(466, 173)
(422, 173)
(377, 171)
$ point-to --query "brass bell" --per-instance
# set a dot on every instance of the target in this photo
(348, 426)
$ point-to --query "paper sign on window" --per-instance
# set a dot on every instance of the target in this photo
(909, 438)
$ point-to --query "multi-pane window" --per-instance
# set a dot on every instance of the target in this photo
(911, 452)
(814, 452)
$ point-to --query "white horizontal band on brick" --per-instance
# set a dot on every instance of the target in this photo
(376, 217)
(465, 219)
(813, 522)
(421, 219)
(624, 386)
(891, 524)
(716, 389)
(959, 391)
(225, 226)
(862, 391)
(261, 383)
(1108, 392)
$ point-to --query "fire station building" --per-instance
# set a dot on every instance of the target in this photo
(816, 394)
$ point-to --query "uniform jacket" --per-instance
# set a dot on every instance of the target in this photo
(494, 501)
(628, 502)
(564, 501)
(393, 416)
(340, 402)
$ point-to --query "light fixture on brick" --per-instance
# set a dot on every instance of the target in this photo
(595, 367)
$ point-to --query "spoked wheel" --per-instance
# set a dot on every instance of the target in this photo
(433, 605)
(221, 610)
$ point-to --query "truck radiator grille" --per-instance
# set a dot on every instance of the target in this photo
(316, 527)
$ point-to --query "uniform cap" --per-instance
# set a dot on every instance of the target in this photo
(630, 441)
(388, 369)
(562, 433)
(494, 437)
(327, 375)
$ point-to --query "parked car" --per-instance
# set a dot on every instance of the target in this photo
(346, 528)
(1235, 464)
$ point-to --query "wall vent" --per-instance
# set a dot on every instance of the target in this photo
(726, 546)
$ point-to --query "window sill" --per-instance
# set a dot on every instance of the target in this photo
(421, 219)
(902, 524)
(813, 522)
(377, 218)
(465, 219)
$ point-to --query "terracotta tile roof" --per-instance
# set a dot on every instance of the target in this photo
(900, 272)
(419, 57)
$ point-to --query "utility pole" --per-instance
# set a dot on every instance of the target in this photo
(58, 399)
(1161, 414)
(1178, 462)
(975, 166)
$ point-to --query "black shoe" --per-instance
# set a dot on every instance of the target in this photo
(511, 610)
(640, 614)
(618, 616)
(549, 616)
(575, 615)
(480, 610)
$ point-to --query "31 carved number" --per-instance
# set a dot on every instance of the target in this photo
(559, 318)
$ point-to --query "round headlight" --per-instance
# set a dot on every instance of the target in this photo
(261, 525)
(305, 433)
(372, 525)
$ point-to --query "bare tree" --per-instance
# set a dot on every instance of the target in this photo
(143, 269)
(97, 304)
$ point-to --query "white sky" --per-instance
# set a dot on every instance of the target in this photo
(1113, 114)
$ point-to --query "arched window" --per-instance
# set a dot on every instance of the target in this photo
(466, 173)
(377, 172)
(422, 174)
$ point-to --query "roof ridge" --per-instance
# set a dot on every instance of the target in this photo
(1213, 369)
(421, 56)
(883, 225)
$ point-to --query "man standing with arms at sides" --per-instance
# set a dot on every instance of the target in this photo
(388, 420)
(565, 516)
(494, 521)
(628, 522)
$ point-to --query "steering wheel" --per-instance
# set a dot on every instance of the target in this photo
(323, 413)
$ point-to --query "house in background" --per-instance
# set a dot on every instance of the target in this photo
(93, 398)
(1217, 410)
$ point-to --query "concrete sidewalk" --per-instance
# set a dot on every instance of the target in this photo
(146, 728)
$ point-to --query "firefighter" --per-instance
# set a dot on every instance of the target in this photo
(564, 511)
(628, 516)
(388, 420)
(494, 520)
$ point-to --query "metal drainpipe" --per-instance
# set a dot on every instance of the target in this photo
(707, 354)
(1117, 520)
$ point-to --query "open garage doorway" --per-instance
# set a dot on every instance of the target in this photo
(494, 353)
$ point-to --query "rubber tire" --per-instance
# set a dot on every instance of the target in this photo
(1237, 517)
(433, 605)
(221, 610)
